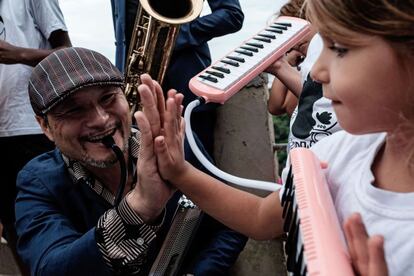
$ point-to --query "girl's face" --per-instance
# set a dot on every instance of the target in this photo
(367, 83)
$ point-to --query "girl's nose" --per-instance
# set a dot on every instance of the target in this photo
(319, 72)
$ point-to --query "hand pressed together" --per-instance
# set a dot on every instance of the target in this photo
(151, 193)
(169, 147)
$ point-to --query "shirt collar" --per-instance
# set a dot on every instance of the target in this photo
(80, 174)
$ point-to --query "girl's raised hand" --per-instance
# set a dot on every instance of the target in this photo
(367, 253)
(169, 147)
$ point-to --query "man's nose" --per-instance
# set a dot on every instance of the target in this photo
(97, 116)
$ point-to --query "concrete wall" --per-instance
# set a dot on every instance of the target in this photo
(244, 141)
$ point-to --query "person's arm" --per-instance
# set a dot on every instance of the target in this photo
(249, 214)
(258, 218)
(289, 76)
(281, 99)
(49, 21)
(11, 54)
(226, 17)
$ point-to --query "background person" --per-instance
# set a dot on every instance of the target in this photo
(29, 31)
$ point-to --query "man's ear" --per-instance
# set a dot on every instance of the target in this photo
(43, 122)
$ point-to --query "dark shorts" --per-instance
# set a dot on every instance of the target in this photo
(16, 151)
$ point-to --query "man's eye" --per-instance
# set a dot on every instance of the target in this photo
(73, 110)
(108, 98)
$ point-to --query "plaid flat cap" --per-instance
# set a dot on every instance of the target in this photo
(66, 71)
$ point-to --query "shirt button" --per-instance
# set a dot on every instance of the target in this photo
(140, 241)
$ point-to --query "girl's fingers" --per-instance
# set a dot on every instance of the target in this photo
(182, 129)
(349, 238)
(360, 243)
(161, 150)
(179, 101)
(171, 124)
(377, 263)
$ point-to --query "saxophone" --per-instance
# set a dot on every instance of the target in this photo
(155, 30)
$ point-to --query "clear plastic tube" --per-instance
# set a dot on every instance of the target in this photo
(249, 183)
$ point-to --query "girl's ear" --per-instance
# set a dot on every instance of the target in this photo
(44, 125)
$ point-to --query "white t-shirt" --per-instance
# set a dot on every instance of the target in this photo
(383, 212)
(314, 118)
(28, 24)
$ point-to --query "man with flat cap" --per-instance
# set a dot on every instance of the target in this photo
(68, 217)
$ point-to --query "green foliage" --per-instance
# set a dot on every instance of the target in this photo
(281, 127)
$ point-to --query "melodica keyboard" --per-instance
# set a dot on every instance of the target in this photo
(231, 73)
(315, 244)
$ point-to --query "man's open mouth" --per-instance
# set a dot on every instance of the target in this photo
(98, 138)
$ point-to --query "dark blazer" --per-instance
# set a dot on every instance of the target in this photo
(56, 219)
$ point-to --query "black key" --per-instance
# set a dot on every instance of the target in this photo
(288, 186)
(298, 267)
(230, 62)
(284, 24)
(291, 259)
(288, 216)
(239, 59)
(252, 49)
(243, 52)
(287, 199)
(274, 30)
(221, 69)
(279, 27)
(209, 78)
(214, 73)
(289, 241)
(257, 45)
(286, 206)
(295, 248)
(295, 220)
(262, 39)
(268, 36)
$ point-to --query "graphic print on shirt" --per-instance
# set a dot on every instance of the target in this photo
(314, 118)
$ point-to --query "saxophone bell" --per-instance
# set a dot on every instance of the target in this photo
(155, 30)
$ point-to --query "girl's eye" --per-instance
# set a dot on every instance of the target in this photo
(340, 50)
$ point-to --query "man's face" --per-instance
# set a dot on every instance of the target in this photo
(78, 124)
